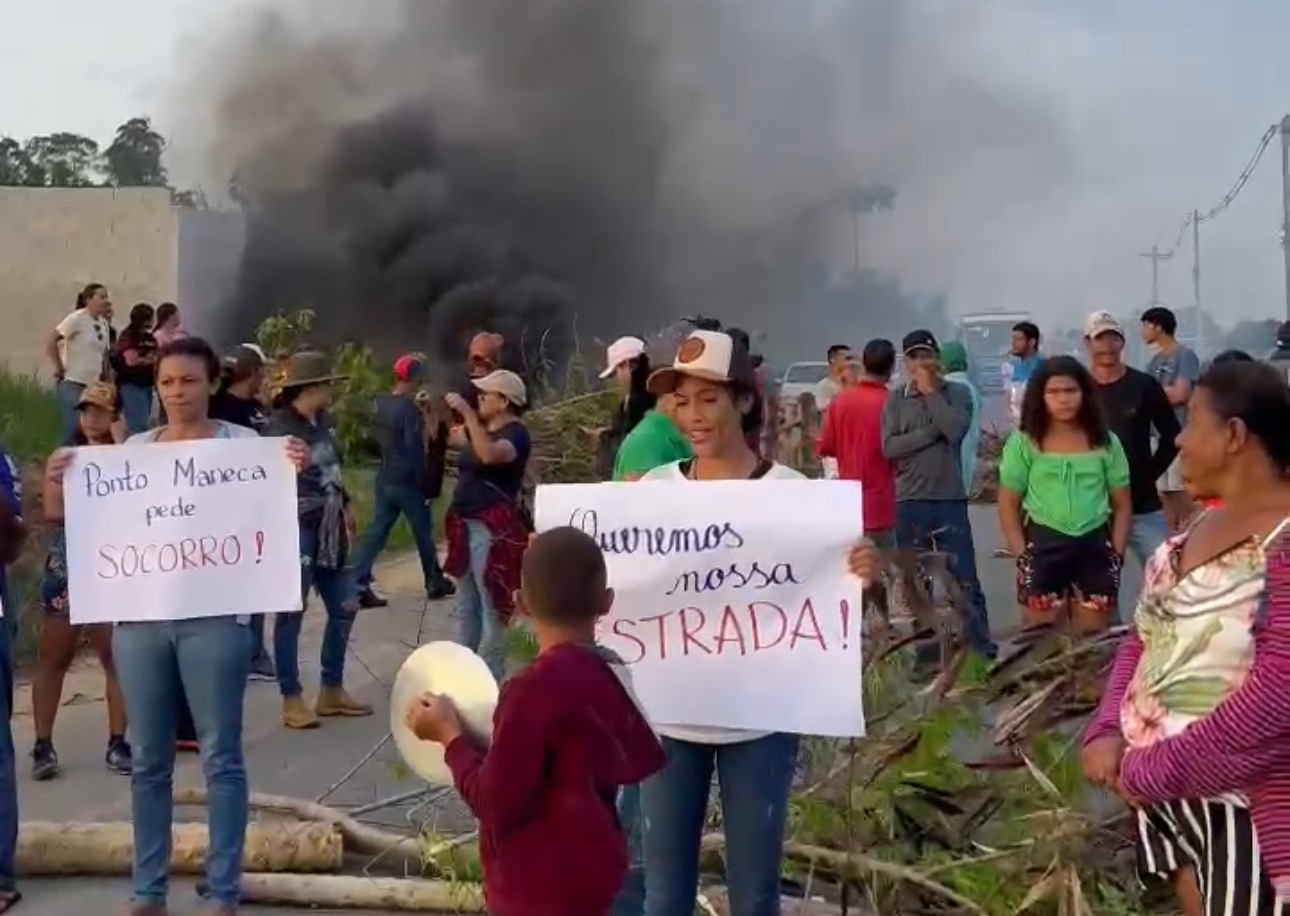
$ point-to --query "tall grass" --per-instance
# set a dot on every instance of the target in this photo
(29, 431)
(29, 424)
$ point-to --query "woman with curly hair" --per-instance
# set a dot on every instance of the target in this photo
(1064, 502)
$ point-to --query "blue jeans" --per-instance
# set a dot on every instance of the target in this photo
(390, 503)
(923, 525)
(1147, 532)
(69, 395)
(8, 780)
(754, 778)
(210, 657)
(336, 589)
(136, 406)
(481, 629)
(631, 898)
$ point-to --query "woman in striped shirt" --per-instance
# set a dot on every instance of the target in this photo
(1194, 726)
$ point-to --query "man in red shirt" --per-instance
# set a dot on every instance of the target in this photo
(852, 436)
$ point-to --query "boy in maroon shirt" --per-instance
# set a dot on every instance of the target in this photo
(567, 735)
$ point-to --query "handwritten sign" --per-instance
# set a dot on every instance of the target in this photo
(733, 604)
(171, 531)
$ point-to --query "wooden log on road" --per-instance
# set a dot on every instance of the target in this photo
(108, 848)
(349, 892)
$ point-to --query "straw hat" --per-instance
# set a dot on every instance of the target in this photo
(308, 367)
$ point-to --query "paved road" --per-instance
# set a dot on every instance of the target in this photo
(304, 764)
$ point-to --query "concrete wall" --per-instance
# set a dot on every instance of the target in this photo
(53, 241)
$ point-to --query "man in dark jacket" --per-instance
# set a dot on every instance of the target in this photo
(409, 478)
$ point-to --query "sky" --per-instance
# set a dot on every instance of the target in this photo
(1160, 103)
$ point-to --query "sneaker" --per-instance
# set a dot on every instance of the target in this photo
(369, 599)
(262, 668)
(44, 761)
(119, 758)
(187, 746)
(441, 589)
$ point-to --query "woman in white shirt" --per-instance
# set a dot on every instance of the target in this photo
(208, 657)
(78, 347)
(713, 383)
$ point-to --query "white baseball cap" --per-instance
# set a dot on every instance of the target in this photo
(620, 351)
(710, 355)
(1102, 322)
(506, 383)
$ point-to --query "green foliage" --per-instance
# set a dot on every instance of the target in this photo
(65, 160)
(29, 432)
(134, 158)
(29, 421)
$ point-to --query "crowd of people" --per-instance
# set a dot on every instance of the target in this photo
(1181, 465)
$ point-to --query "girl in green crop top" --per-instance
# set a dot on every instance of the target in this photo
(1064, 501)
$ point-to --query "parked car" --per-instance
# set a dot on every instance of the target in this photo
(801, 378)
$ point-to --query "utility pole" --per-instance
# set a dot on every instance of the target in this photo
(1156, 257)
(1195, 279)
(1285, 204)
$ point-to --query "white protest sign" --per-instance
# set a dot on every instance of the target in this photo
(171, 531)
(733, 605)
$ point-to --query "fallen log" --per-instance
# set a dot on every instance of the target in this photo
(108, 848)
(345, 892)
(359, 839)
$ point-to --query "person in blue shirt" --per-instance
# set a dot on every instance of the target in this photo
(409, 478)
(1021, 366)
(12, 534)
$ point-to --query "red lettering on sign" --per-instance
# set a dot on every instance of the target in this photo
(760, 626)
(804, 619)
(138, 561)
(730, 632)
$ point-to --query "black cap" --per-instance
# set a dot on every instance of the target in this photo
(1283, 334)
(919, 340)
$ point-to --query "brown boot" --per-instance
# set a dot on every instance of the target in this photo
(336, 701)
(297, 714)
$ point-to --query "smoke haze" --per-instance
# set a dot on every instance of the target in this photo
(552, 168)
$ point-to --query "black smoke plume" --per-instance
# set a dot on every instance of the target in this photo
(569, 170)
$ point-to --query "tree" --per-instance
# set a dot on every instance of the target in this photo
(134, 158)
(65, 160)
(16, 167)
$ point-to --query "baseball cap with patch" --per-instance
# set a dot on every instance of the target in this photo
(710, 355)
(100, 394)
(920, 340)
(1102, 322)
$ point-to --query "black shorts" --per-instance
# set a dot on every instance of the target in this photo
(1217, 839)
(1056, 567)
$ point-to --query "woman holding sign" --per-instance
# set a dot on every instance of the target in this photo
(712, 380)
(209, 656)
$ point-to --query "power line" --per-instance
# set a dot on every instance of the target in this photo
(1237, 186)
(1230, 196)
